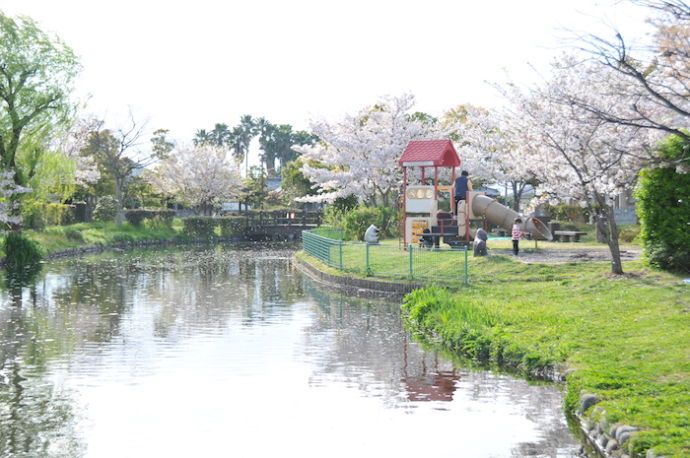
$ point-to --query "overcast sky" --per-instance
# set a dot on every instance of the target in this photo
(186, 65)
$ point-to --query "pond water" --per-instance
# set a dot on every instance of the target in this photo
(232, 352)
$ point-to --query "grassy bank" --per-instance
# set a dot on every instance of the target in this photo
(96, 233)
(627, 338)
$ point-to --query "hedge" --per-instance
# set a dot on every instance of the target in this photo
(38, 215)
(200, 226)
(106, 209)
(205, 226)
(137, 217)
(231, 225)
(664, 209)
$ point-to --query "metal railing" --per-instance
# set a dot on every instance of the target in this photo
(387, 261)
(283, 218)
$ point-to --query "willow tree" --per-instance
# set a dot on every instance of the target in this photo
(36, 75)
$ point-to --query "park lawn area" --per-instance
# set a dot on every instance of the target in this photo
(626, 338)
(389, 260)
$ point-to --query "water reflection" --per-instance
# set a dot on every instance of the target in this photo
(371, 352)
(212, 352)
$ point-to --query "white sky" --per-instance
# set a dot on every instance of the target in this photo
(186, 65)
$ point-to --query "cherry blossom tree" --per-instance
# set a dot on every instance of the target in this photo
(358, 155)
(487, 147)
(76, 140)
(9, 192)
(572, 151)
(651, 82)
(199, 176)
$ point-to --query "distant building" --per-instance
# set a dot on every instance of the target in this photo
(230, 206)
(490, 192)
(273, 184)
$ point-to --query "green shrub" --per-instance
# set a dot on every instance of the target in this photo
(122, 238)
(572, 213)
(158, 223)
(106, 209)
(74, 234)
(334, 214)
(231, 225)
(628, 233)
(166, 216)
(136, 217)
(20, 251)
(328, 232)
(663, 207)
(200, 226)
(358, 220)
(38, 215)
(334, 217)
(59, 214)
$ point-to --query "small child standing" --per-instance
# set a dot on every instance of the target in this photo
(516, 233)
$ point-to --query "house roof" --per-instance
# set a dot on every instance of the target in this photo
(440, 153)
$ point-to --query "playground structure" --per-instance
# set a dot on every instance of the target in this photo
(429, 209)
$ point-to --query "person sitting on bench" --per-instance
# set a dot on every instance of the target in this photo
(426, 240)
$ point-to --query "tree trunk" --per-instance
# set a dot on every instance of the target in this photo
(386, 198)
(270, 167)
(517, 195)
(606, 225)
(15, 211)
(120, 215)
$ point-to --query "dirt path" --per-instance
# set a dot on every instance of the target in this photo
(544, 256)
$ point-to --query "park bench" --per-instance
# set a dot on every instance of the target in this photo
(449, 234)
(565, 236)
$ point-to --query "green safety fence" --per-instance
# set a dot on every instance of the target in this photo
(389, 261)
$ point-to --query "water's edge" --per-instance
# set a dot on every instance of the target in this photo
(600, 439)
(90, 249)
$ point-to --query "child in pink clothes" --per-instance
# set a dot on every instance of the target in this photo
(517, 234)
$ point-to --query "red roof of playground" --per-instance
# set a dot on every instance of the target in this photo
(440, 152)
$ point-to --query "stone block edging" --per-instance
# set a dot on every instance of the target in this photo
(359, 287)
(605, 438)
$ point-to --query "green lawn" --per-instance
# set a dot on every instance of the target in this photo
(389, 260)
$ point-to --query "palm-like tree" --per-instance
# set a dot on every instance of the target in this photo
(221, 136)
(202, 137)
(267, 133)
(277, 142)
(242, 135)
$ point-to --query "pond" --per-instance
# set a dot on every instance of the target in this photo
(232, 352)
